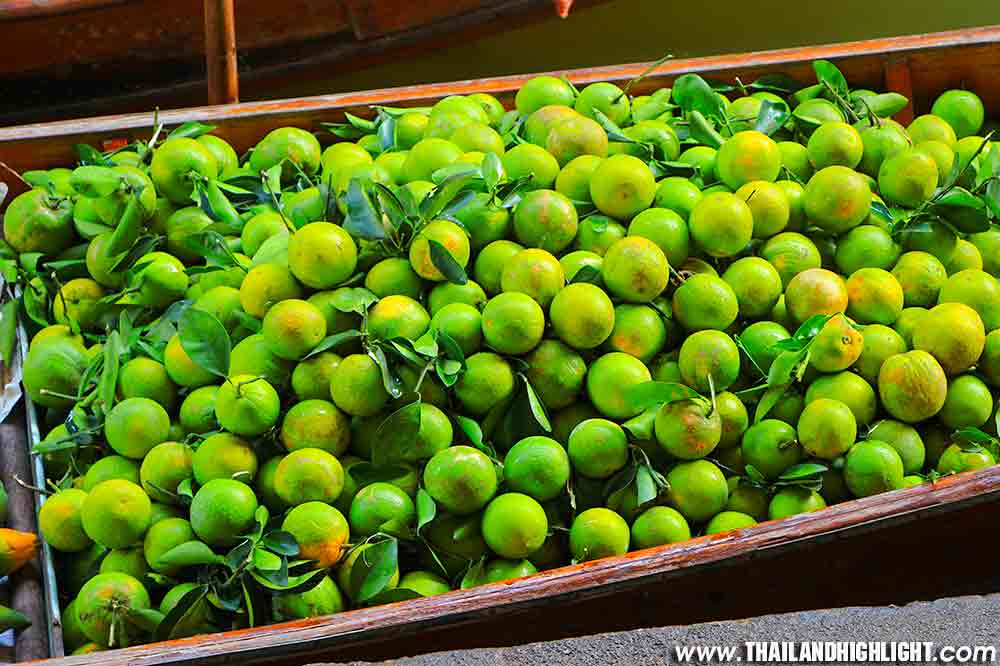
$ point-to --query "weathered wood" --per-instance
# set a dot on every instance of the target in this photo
(21, 9)
(27, 594)
(540, 602)
(936, 61)
(220, 52)
(899, 79)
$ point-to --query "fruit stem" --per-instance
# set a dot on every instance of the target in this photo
(36, 489)
(16, 174)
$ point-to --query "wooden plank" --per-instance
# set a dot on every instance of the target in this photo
(374, 18)
(220, 52)
(27, 594)
(297, 641)
(899, 79)
(11, 10)
(941, 54)
(127, 36)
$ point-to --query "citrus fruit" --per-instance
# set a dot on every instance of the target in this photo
(487, 381)
(606, 98)
(116, 513)
(164, 468)
(533, 163)
(247, 405)
(638, 330)
(677, 194)
(444, 235)
(688, 429)
(538, 467)
(448, 293)
(872, 467)
(837, 199)
(921, 275)
(790, 253)
(598, 533)
(265, 285)
(748, 156)
(102, 604)
(705, 302)
(324, 599)
(698, 489)
(598, 448)
(425, 583)
(53, 369)
(380, 507)
(904, 439)
(962, 109)
(608, 380)
(163, 536)
(793, 501)
(771, 447)
(77, 300)
(827, 428)
(311, 377)
(977, 289)
(356, 386)
(490, 263)
(321, 255)
(966, 256)
(722, 224)
(534, 272)
(727, 521)
(308, 475)
(756, 284)
(174, 162)
(866, 246)
(707, 359)
(347, 566)
(874, 296)
(556, 372)
(849, 388)
(908, 178)
(658, 525)
(575, 136)
(582, 315)
(912, 386)
(60, 522)
(461, 479)
(514, 525)
(597, 232)
(815, 291)
(635, 270)
(541, 91)
(224, 456)
(513, 323)
(293, 327)
(964, 458)
(111, 467)
(136, 425)
(968, 403)
(667, 229)
(295, 149)
(835, 144)
(953, 334)
(622, 186)
(253, 356)
(574, 178)
(37, 221)
(880, 143)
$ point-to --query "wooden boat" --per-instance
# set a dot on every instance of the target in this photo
(909, 544)
(131, 55)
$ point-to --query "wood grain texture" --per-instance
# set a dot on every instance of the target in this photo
(617, 577)
(27, 595)
(11, 10)
(936, 61)
(220, 52)
(899, 78)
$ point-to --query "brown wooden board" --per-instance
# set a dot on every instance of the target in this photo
(918, 538)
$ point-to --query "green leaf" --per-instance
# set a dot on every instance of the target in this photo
(395, 595)
(387, 133)
(191, 130)
(829, 74)
(281, 542)
(143, 246)
(390, 380)
(692, 93)
(275, 582)
(645, 488)
(587, 273)
(373, 569)
(442, 195)
(771, 397)
(272, 251)
(366, 473)
(779, 83)
(802, 471)
(703, 131)
(641, 426)
(754, 474)
(881, 210)
(362, 219)
(190, 554)
(8, 330)
(95, 181)
(108, 383)
(426, 508)
(363, 124)
(614, 132)
(446, 263)
(654, 393)
(333, 341)
(537, 408)
(265, 560)
(397, 431)
(811, 326)
(426, 345)
(205, 340)
(183, 609)
(475, 575)
(471, 430)
(492, 169)
(772, 116)
(353, 299)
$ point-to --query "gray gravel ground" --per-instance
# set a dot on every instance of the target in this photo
(958, 621)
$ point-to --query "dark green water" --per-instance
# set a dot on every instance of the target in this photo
(636, 30)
